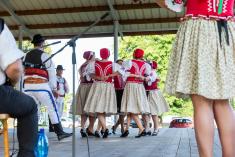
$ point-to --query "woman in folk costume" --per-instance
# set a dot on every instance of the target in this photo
(202, 66)
(82, 93)
(156, 100)
(134, 100)
(101, 98)
(119, 85)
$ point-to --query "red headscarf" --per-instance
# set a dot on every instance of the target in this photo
(104, 53)
(138, 53)
(88, 55)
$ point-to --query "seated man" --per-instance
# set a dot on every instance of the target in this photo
(14, 103)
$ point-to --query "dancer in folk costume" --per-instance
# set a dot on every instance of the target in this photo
(202, 66)
(62, 89)
(119, 85)
(40, 82)
(134, 100)
(101, 98)
(157, 102)
(82, 94)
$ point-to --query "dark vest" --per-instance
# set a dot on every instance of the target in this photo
(34, 57)
(33, 64)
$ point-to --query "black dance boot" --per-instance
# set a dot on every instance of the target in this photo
(51, 129)
(60, 133)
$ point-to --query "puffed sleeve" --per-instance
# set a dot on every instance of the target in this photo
(148, 69)
(127, 66)
(9, 50)
(118, 68)
(153, 76)
(90, 69)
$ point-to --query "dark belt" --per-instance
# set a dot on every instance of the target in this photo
(223, 24)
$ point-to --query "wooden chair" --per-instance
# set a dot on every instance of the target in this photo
(3, 119)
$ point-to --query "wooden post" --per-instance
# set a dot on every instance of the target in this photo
(5, 135)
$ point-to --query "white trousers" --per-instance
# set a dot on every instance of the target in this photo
(43, 94)
(60, 105)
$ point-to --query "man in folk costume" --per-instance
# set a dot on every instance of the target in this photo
(40, 82)
(82, 94)
(62, 89)
(156, 100)
(101, 98)
(134, 100)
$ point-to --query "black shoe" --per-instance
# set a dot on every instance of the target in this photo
(125, 133)
(83, 134)
(143, 133)
(155, 132)
(64, 135)
(106, 133)
(113, 131)
(97, 134)
(101, 132)
(89, 133)
(51, 130)
(149, 133)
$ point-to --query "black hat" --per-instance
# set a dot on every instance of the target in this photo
(37, 38)
(59, 67)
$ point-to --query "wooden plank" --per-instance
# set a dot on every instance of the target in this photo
(80, 9)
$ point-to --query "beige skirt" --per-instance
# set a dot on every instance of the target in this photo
(199, 64)
(157, 103)
(134, 99)
(81, 97)
(101, 99)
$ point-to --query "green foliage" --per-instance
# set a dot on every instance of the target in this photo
(27, 46)
(158, 48)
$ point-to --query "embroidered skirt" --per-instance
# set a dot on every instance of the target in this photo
(134, 99)
(101, 99)
(203, 60)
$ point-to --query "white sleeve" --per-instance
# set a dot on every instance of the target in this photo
(118, 68)
(127, 64)
(90, 69)
(153, 76)
(51, 71)
(9, 51)
(148, 69)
